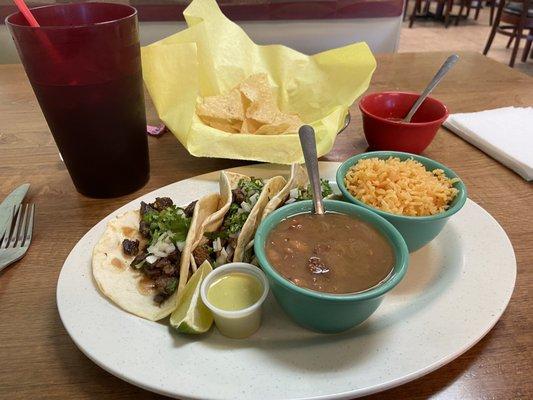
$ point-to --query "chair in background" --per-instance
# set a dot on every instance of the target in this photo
(443, 11)
(469, 4)
(528, 48)
(492, 5)
(478, 7)
(512, 19)
(406, 9)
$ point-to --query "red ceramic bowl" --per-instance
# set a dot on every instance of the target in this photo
(382, 132)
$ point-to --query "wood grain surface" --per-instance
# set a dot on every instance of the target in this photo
(38, 360)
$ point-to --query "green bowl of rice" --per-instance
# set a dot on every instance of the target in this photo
(415, 194)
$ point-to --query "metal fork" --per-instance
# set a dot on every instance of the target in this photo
(16, 239)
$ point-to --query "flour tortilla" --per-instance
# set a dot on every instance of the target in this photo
(298, 179)
(271, 188)
(226, 183)
(214, 221)
(229, 181)
(121, 283)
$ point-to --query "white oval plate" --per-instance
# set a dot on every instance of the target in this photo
(455, 290)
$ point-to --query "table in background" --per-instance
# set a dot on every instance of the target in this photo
(39, 360)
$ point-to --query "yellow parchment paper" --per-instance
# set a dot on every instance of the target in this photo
(214, 54)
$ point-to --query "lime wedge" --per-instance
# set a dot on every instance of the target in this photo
(192, 316)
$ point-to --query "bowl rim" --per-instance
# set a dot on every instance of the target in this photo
(394, 238)
(461, 195)
(426, 123)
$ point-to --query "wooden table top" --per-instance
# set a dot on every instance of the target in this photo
(38, 358)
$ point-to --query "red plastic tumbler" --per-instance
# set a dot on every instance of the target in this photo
(84, 65)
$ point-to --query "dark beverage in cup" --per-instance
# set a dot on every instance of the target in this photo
(85, 69)
(100, 129)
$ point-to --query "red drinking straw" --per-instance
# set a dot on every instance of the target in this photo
(23, 8)
(25, 11)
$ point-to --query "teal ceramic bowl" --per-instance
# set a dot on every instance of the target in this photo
(417, 231)
(325, 312)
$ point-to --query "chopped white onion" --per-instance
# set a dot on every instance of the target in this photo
(254, 198)
(217, 245)
(221, 259)
(163, 247)
(246, 207)
(224, 253)
(169, 247)
(180, 245)
(151, 259)
(293, 194)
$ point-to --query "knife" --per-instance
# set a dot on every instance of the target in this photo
(6, 208)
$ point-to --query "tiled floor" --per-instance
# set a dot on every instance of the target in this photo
(470, 35)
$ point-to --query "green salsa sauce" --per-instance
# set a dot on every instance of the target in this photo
(234, 291)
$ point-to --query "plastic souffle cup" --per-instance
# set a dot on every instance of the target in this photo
(242, 323)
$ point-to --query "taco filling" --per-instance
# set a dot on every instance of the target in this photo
(219, 247)
(305, 193)
(164, 228)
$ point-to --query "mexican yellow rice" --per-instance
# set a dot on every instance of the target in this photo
(400, 187)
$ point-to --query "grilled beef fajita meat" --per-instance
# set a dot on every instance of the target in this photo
(201, 253)
(130, 247)
(165, 226)
(189, 210)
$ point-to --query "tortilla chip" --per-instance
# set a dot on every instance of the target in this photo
(223, 125)
(256, 89)
(293, 121)
(223, 107)
(272, 129)
(250, 108)
(264, 113)
(250, 126)
(281, 123)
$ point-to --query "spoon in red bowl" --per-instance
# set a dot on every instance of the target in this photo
(448, 64)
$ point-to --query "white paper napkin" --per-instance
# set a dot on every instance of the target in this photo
(506, 134)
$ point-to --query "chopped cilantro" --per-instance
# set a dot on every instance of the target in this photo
(213, 235)
(326, 188)
(171, 286)
(306, 194)
(234, 221)
(171, 219)
(254, 185)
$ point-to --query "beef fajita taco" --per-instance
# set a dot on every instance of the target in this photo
(226, 234)
(142, 260)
